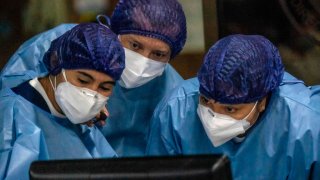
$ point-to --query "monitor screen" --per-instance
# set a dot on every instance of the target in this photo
(169, 167)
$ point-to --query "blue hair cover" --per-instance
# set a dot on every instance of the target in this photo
(240, 69)
(164, 20)
(86, 46)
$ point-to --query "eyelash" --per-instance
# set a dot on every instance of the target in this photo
(158, 54)
(101, 87)
(135, 45)
(82, 81)
(230, 109)
(105, 89)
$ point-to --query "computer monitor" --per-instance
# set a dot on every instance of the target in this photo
(169, 167)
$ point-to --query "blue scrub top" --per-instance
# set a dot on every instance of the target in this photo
(131, 110)
(283, 144)
(29, 133)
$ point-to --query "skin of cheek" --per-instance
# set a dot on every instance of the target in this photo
(60, 78)
(255, 115)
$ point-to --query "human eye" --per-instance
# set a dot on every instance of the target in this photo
(159, 54)
(230, 109)
(204, 100)
(134, 45)
(83, 81)
(106, 88)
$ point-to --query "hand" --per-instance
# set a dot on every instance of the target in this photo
(100, 119)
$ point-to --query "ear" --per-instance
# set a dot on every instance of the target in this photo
(54, 61)
(262, 105)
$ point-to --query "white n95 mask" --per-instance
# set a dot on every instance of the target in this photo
(221, 128)
(78, 104)
(139, 70)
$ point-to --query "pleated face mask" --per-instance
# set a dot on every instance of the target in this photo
(139, 70)
(78, 104)
(221, 128)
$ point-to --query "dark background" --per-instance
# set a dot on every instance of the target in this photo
(292, 25)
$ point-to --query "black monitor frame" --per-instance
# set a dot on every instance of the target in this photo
(169, 167)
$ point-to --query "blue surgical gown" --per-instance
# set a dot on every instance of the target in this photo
(130, 109)
(26, 63)
(283, 144)
(28, 132)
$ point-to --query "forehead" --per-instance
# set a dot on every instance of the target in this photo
(212, 101)
(154, 43)
(95, 75)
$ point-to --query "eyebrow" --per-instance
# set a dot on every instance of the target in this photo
(109, 82)
(163, 52)
(86, 74)
(89, 76)
(136, 40)
(232, 105)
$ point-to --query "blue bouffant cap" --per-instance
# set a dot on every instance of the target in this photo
(240, 69)
(86, 46)
(164, 20)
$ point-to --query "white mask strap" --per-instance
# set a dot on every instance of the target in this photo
(251, 110)
(55, 83)
(64, 75)
(55, 80)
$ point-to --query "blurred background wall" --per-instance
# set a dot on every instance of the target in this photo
(293, 25)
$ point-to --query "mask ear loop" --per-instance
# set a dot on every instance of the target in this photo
(54, 87)
(247, 126)
(100, 19)
(64, 75)
(55, 83)
(251, 110)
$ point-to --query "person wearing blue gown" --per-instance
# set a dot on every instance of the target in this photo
(244, 105)
(42, 118)
(152, 33)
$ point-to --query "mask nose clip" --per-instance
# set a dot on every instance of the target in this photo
(90, 94)
(210, 112)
